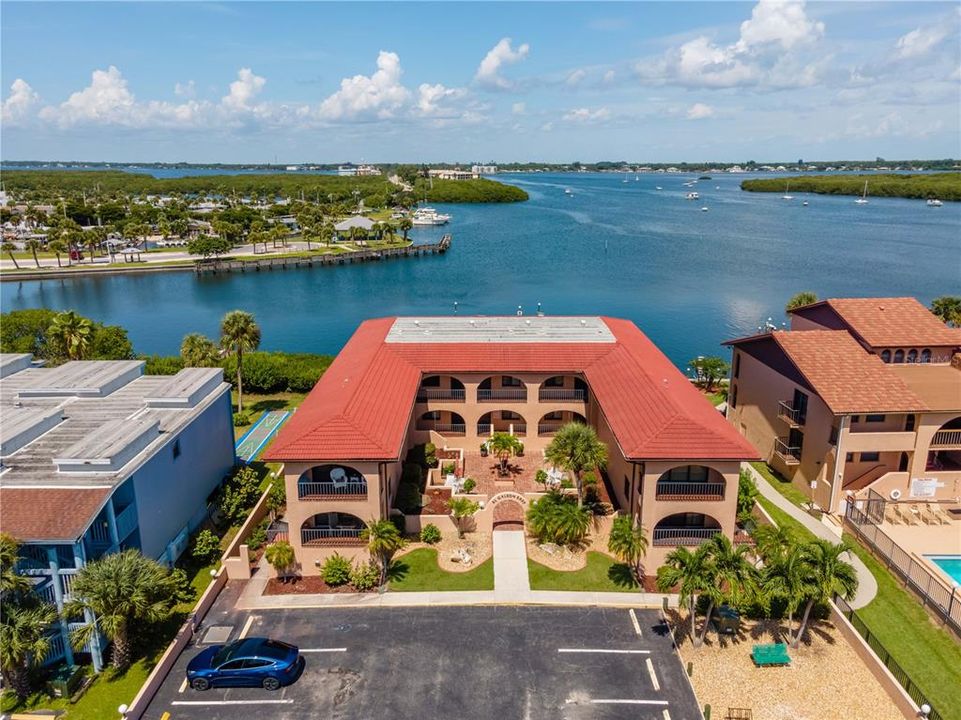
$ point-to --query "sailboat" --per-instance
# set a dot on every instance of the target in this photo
(863, 200)
(785, 196)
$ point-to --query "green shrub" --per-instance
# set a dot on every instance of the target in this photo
(746, 493)
(557, 518)
(162, 364)
(269, 372)
(430, 534)
(540, 477)
(399, 522)
(238, 494)
(566, 483)
(365, 577)
(278, 494)
(336, 570)
(409, 499)
(469, 485)
(413, 474)
(589, 479)
(206, 546)
(448, 468)
(430, 455)
(241, 419)
(184, 591)
(258, 536)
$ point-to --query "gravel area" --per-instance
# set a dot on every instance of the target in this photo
(565, 559)
(479, 545)
(825, 681)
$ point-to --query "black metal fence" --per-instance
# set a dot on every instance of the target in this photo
(890, 663)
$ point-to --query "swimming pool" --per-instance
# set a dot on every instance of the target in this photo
(949, 564)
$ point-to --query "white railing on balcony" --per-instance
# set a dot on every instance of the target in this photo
(691, 490)
(946, 438)
(307, 490)
(425, 394)
(484, 429)
(502, 394)
(126, 521)
(100, 532)
(790, 414)
(329, 535)
(519, 428)
(675, 537)
(549, 428)
(575, 395)
(66, 582)
(443, 428)
(56, 649)
(789, 453)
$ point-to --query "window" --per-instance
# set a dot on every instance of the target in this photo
(508, 381)
(733, 398)
(255, 663)
(509, 415)
(886, 356)
(870, 456)
(688, 473)
(431, 381)
(800, 405)
(232, 665)
(909, 423)
(874, 418)
(627, 488)
(899, 356)
(737, 364)
(833, 435)
(926, 355)
(556, 381)
(912, 356)
(849, 457)
(176, 448)
(855, 419)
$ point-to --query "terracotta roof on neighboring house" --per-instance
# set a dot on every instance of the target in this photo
(361, 407)
(938, 385)
(891, 322)
(49, 514)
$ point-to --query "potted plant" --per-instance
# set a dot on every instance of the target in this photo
(483, 449)
(520, 449)
(469, 485)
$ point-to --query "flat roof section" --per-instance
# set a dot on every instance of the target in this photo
(24, 425)
(111, 447)
(505, 329)
(81, 378)
(11, 363)
(186, 388)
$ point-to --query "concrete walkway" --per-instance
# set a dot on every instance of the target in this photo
(867, 585)
(511, 581)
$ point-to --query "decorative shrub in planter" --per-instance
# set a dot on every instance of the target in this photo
(469, 485)
(520, 449)
(483, 449)
(448, 469)
(540, 477)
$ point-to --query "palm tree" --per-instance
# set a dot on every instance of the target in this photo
(123, 591)
(390, 231)
(383, 540)
(24, 640)
(827, 575)
(33, 245)
(197, 350)
(576, 448)
(239, 333)
(800, 300)
(327, 231)
(460, 510)
(73, 333)
(732, 574)
(281, 556)
(59, 247)
(8, 248)
(504, 446)
(773, 542)
(628, 543)
(784, 578)
(10, 580)
(948, 308)
(689, 572)
(405, 225)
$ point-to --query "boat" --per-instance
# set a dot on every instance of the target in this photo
(429, 216)
(805, 203)
(568, 191)
(785, 196)
(691, 183)
(658, 187)
(717, 187)
(637, 178)
(704, 177)
(692, 196)
(624, 180)
(934, 202)
(863, 200)
(704, 209)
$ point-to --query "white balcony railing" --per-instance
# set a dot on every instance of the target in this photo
(668, 490)
(515, 394)
(789, 414)
(425, 394)
(690, 536)
(946, 439)
(308, 490)
(443, 428)
(330, 536)
(548, 428)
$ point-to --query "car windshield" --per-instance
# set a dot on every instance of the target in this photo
(226, 653)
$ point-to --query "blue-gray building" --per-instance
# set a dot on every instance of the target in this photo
(96, 457)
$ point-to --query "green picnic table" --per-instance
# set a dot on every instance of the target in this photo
(770, 655)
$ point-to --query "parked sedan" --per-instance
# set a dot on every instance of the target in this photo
(253, 662)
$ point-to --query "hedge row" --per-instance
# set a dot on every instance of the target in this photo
(263, 371)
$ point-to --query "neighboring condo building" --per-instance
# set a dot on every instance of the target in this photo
(860, 394)
(98, 457)
(399, 382)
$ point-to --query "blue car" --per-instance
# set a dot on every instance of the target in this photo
(253, 662)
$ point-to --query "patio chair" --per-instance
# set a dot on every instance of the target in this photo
(940, 515)
(770, 655)
(903, 516)
(338, 476)
(891, 515)
(917, 511)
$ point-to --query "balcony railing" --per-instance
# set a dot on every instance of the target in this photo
(323, 490)
(549, 428)
(691, 536)
(790, 454)
(946, 438)
(791, 415)
(515, 394)
(575, 395)
(519, 428)
(484, 429)
(443, 428)
(126, 521)
(425, 394)
(668, 490)
(330, 536)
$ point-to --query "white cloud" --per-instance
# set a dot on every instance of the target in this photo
(19, 104)
(609, 77)
(586, 115)
(430, 99)
(575, 77)
(243, 90)
(518, 108)
(377, 96)
(488, 72)
(780, 22)
(699, 111)
(106, 100)
(921, 40)
(187, 89)
(547, 127)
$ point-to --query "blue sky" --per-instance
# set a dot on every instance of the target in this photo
(330, 82)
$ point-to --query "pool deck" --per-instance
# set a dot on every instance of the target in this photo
(923, 540)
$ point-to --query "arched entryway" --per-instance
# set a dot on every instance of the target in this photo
(553, 421)
(445, 422)
(509, 509)
(323, 481)
(501, 421)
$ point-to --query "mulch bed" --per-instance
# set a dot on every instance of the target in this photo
(310, 585)
(438, 501)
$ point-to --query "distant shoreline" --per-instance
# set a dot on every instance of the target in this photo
(940, 186)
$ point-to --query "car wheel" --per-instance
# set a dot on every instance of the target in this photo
(271, 684)
(200, 684)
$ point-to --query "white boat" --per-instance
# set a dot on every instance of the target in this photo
(805, 203)
(568, 191)
(704, 209)
(785, 196)
(863, 200)
(637, 178)
(658, 187)
(692, 196)
(624, 180)
(692, 183)
(934, 202)
(429, 216)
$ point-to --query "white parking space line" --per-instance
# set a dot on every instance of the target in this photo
(667, 715)
(232, 702)
(183, 686)
(601, 650)
(243, 633)
(322, 650)
(637, 625)
(650, 671)
(628, 702)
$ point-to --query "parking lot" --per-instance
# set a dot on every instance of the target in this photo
(452, 663)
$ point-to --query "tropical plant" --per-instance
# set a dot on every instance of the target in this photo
(948, 309)
(469, 485)
(405, 226)
(732, 574)
(8, 248)
(746, 494)
(123, 590)
(709, 370)
(238, 494)
(628, 543)
(280, 555)
(239, 333)
(10, 580)
(504, 446)
(773, 542)
(826, 575)
(206, 546)
(198, 351)
(430, 534)
(690, 573)
(58, 248)
(800, 300)
(783, 577)
(336, 570)
(460, 510)
(72, 334)
(366, 576)
(558, 518)
(24, 639)
(383, 540)
(576, 448)
(33, 245)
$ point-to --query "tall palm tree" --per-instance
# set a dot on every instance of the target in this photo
(327, 231)
(732, 574)
(504, 446)
(33, 245)
(383, 540)
(73, 333)
(10, 580)
(827, 575)
(197, 350)
(784, 577)
(405, 225)
(628, 543)
(390, 231)
(576, 448)
(123, 591)
(773, 542)
(948, 308)
(8, 248)
(800, 300)
(58, 248)
(24, 640)
(691, 573)
(239, 333)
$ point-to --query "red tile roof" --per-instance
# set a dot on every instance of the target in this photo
(49, 514)
(891, 322)
(361, 407)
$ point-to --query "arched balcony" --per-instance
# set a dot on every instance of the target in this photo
(690, 482)
(324, 482)
(441, 387)
(502, 387)
(501, 421)
(550, 423)
(332, 528)
(563, 388)
(444, 422)
(945, 449)
(688, 529)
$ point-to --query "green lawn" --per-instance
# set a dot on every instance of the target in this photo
(782, 485)
(601, 574)
(782, 518)
(418, 571)
(257, 404)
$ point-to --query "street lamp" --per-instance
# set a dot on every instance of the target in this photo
(925, 710)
